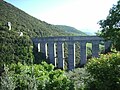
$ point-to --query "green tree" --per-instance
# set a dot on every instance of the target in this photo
(111, 26)
(14, 48)
(104, 72)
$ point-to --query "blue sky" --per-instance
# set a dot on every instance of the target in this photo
(81, 14)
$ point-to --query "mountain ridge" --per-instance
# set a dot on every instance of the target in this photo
(29, 25)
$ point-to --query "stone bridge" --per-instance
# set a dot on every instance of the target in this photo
(53, 48)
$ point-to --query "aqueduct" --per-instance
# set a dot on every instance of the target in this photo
(53, 48)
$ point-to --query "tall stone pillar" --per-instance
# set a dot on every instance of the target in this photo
(43, 49)
(83, 58)
(107, 46)
(95, 48)
(71, 55)
(52, 53)
(60, 54)
(55, 55)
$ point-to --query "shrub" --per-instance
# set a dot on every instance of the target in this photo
(36, 77)
(7, 81)
(78, 76)
(105, 72)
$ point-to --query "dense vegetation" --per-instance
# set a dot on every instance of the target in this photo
(105, 72)
(14, 48)
(34, 77)
(111, 26)
(99, 74)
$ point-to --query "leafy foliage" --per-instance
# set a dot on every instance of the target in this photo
(105, 72)
(111, 26)
(34, 77)
(79, 77)
(14, 48)
(99, 74)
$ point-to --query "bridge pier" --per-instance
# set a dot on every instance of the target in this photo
(83, 56)
(60, 54)
(43, 50)
(52, 53)
(95, 48)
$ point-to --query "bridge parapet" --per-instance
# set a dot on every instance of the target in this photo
(53, 48)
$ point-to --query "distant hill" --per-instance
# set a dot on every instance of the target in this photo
(22, 22)
(72, 30)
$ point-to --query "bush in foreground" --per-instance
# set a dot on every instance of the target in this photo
(34, 77)
(105, 72)
(79, 77)
(98, 74)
